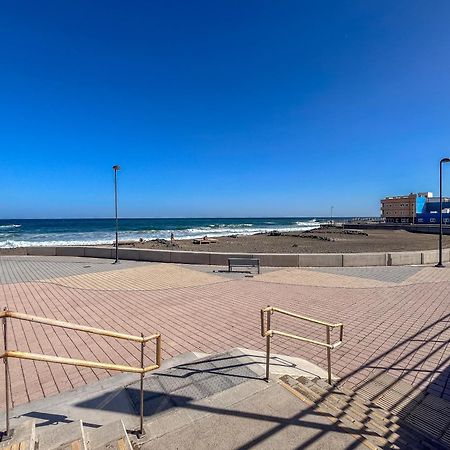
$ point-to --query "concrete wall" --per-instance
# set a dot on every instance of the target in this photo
(277, 259)
(221, 259)
(364, 259)
(70, 251)
(320, 260)
(99, 252)
(404, 258)
(41, 251)
(154, 255)
(267, 259)
(432, 256)
(189, 257)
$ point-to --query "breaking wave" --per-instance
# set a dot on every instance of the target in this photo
(91, 232)
(9, 226)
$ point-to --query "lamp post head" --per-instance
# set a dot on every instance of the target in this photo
(445, 160)
(116, 167)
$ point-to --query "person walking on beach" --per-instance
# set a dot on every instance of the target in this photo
(171, 238)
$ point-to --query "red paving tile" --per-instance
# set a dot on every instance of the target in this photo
(402, 329)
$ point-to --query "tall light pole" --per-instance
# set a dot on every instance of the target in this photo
(116, 168)
(441, 163)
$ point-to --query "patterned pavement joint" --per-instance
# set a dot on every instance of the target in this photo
(396, 319)
(40, 267)
(147, 277)
(357, 277)
(396, 275)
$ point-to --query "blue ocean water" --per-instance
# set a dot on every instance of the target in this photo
(43, 232)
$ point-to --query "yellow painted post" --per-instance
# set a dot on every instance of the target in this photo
(268, 346)
(5, 361)
(329, 354)
(141, 422)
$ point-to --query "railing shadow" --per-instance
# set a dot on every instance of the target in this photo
(164, 402)
(403, 406)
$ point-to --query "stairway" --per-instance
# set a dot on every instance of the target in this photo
(69, 436)
(360, 415)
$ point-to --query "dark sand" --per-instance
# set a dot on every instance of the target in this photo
(340, 241)
(326, 240)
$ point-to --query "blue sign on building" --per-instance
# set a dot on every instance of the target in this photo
(427, 210)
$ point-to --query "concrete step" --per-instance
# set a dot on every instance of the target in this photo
(112, 436)
(370, 437)
(68, 436)
(363, 414)
(351, 401)
(370, 418)
(23, 437)
(360, 401)
(426, 416)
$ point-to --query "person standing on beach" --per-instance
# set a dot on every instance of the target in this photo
(171, 238)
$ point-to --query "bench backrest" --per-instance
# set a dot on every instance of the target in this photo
(243, 261)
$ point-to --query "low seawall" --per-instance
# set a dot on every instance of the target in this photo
(266, 259)
(413, 228)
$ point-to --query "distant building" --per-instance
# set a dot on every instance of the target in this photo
(401, 209)
(421, 208)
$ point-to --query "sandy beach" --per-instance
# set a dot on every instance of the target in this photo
(324, 240)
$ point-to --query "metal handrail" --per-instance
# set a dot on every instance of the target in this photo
(5, 314)
(75, 326)
(268, 333)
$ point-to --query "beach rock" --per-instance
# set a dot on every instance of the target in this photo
(274, 233)
(315, 236)
(164, 242)
(357, 232)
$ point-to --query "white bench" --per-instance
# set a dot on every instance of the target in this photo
(243, 262)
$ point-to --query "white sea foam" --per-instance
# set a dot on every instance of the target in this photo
(9, 226)
(106, 237)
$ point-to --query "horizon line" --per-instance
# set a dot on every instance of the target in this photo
(191, 217)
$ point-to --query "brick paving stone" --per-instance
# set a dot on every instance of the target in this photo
(396, 319)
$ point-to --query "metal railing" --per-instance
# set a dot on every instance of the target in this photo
(6, 314)
(268, 333)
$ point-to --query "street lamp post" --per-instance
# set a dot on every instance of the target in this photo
(116, 168)
(441, 163)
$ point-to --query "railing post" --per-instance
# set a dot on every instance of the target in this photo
(268, 345)
(158, 351)
(5, 361)
(141, 424)
(329, 354)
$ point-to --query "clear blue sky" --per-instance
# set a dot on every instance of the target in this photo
(220, 108)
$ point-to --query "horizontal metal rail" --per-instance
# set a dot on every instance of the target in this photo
(76, 327)
(268, 333)
(311, 341)
(142, 340)
(77, 362)
(273, 309)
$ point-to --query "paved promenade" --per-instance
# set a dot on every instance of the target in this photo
(396, 318)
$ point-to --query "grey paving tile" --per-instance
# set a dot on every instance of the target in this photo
(392, 274)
